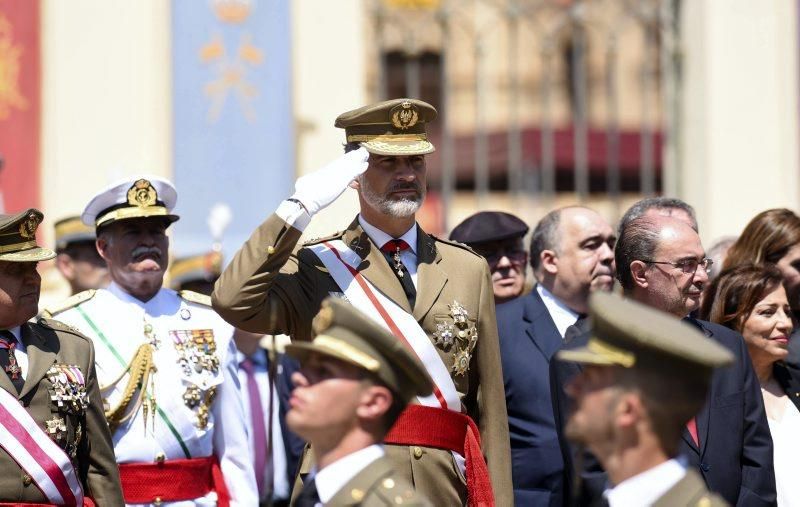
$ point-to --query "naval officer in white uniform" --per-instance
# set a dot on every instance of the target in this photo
(165, 361)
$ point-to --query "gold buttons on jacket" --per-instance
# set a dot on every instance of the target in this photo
(388, 483)
(27, 480)
(357, 494)
(417, 452)
(158, 501)
(160, 457)
(270, 250)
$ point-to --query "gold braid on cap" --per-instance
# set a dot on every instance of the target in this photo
(140, 368)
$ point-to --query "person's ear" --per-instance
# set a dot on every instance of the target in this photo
(629, 410)
(549, 261)
(102, 247)
(375, 402)
(639, 274)
(65, 267)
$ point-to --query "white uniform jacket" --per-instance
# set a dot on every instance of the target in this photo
(118, 324)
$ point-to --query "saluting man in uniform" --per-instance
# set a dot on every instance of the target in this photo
(434, 295)
(55, 447)
(354, 380)
(165, 361)
(645, 373)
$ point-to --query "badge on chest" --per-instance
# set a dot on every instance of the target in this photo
(67, 388)
(199, 363)
(457, 332)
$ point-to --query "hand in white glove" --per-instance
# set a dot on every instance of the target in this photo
(323, 186)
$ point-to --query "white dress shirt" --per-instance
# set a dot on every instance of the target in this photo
(562, 316)
(407, 257)
(280, 484)
(120, 318)
(333, 477)
(787, 454)
(644, 489)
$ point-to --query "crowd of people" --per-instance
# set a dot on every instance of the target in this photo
(382, 365)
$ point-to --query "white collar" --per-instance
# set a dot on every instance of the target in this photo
(380, 238)
(647, 487)
(562, 315)
(333, 477)
(151, 307)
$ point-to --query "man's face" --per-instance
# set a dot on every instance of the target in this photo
(394, 185)
(672, 289)
(594, 396)
(136, 252)
(507, 260)
(789, 265)
(19, 292)
(585, 259)
(83, 267)
(326, 396)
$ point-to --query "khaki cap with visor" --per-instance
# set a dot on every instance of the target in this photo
(345, 333)
(393, 127)
(71, 230)
(18, 238)
(629, 334)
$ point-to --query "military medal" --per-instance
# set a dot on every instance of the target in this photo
(462, 332)
(397, 264)
(68, 388)
(13, 368)
(192, 395)
(56, 428)
(444, 335)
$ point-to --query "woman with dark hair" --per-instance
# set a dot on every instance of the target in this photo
(751, 300)
(772, 237)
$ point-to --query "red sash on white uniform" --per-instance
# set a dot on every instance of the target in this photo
(342, 262)
(47, 464)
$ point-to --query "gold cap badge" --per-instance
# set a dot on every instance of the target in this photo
(142, 194)
(404, 115)
(27, 229)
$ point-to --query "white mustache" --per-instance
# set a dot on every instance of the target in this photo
(144, 250)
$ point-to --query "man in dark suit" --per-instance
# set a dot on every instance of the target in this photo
(572, 254)
(661, 263)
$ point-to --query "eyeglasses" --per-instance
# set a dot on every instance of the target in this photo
(688, 266)
(515, 257)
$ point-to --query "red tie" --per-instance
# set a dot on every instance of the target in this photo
(395, 246)
(692, 427)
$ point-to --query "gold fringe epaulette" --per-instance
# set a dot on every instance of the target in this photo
(195, 297)
(68, 303)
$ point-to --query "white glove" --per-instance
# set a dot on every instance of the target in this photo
(323, 186)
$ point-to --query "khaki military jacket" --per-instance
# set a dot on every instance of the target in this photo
(690, 491)
(84, 436)
(377, 485)
(270, 286)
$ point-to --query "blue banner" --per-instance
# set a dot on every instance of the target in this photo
(233, 131)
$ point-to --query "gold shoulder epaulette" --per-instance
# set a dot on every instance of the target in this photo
(314, 241)
(195, 297)
(68, 303)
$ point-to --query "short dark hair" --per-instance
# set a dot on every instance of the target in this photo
(637, 241)
(731, 297)
(670, 400)
(545, 237)
(639, 208)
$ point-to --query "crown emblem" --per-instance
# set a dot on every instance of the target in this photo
(142, 194)
(405, 115)
(27, 229)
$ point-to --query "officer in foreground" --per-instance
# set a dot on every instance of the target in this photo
(355, 379)
(56, 447)
(77, 259)
(497, 237)
(434, 295)
(645, 375)
(166, 360)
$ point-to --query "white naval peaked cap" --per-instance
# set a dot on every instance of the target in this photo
(133, 197)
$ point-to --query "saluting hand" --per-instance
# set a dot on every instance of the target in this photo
(320, 188)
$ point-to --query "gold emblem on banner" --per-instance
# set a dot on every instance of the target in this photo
(10, 95)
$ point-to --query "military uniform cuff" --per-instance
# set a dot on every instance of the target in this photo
(294, 214)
